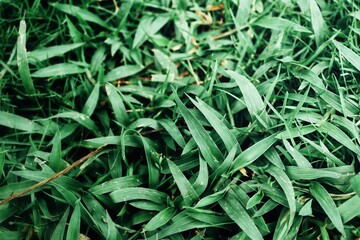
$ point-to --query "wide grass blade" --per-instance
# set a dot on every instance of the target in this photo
(138, 193)
(82, 119)
(73, 232)
(252, 153)
(327, 204)
(339, 136)
(80, 13)
(117, 184)
(17, 122)
(206, 144)
(122, 72)
(281, 24)
(60, 69)
(59, 231)
(117, 104)
(201, 181)
(254, 103)
(318, 23)
(160, 219)
(22, 60)
(173, 131)
(239, 215)
(186, 189)
(39, 55)
(349, 54)
(287, 187)
(226, 136)
(92, 101)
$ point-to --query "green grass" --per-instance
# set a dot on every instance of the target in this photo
(180, 119)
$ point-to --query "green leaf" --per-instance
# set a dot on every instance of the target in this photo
(281, 24)
(117, 104)
(92, 101)
(339, 136)
(347, 209)
(239, 215)
(318, 23)
(160, 219)
(59, 231)
(206, 144)
(138, 193)
(327, 204)
(17, 122)
(253, 101)
(22, 60)
(349, 54)
(55, 155)
(201, 181)
(173, 131)
(252, 153)
(97, 59)
(300, 160)
(226, 136)
(122, 72)
(2, 159)
(80, 13)
(83, 119)
(187, 191)
(297, 173)
(73, 232)
(306, 210)
(50, 52)
(287, 187)
(355, 183)
(60, 69)
(6, 211)
(118, 183)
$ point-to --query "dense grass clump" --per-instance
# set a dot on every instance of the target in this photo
(180, 119)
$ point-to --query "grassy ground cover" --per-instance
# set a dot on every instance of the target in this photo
(179, 119)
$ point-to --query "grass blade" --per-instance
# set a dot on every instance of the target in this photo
(60, 69)
(239, 215)
(226, 136)
(73, 232)
(254, 103)
(122, 72)
(39, 55)
(281, 24)
(138, 193)
(318, 23)
(20, 123)
(186, 189)
(117, 104)
(327, 204)
(252, 153)
(208, 148)
(22, 60)
(80, 13)
(201, 181)
(59, 231)
(118, 183)
(287, 187)
(173, 131)
(349, 54)
(92, 101)
(160, 219)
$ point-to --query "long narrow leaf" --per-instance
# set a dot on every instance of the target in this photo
(22, 60)
(327, 204)
(237, 213)
(206, 145)
(187, 191)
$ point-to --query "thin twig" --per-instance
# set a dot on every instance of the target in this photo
(53, 177)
